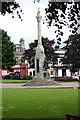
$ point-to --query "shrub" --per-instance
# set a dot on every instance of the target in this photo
(25, 77)
(65, 79)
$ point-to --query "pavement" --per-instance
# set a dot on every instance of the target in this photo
(61, 85)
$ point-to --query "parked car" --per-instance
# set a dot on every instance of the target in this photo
(12, 75)
(75, 77)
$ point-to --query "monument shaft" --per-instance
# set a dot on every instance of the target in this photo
(39, 17)
(40, 56)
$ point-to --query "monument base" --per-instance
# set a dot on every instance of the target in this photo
(41, 82)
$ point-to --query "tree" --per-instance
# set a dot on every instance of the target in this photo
(10, 7)
(51, 57)
(8, 48)
(57, 12)
(72, 51)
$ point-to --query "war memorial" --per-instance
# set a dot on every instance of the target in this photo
(40, 73)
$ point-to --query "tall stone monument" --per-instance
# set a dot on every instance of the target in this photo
(40, 80)
(40, 56)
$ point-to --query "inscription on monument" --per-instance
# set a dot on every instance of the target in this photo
(37, 62)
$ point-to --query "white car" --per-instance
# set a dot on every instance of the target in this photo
(75, 77)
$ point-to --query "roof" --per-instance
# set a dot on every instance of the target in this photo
(16, 66)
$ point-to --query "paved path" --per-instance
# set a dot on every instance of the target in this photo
(20, 85)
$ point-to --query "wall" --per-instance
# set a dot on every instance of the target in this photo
(24, 69)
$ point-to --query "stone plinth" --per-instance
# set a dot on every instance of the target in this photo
(41, 82)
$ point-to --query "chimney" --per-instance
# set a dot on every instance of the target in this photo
(22, 42)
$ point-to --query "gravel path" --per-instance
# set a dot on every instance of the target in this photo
(61, 85)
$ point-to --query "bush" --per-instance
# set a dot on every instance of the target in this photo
(65, 79)
(25, 77)
(61, 79)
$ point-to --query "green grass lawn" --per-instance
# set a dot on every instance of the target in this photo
(23, 81)
(13, 81)
(39, 103)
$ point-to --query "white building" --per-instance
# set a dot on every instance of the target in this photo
(62, 69)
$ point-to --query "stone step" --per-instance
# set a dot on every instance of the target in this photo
(39, 82)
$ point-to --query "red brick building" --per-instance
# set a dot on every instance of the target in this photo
(23, 69)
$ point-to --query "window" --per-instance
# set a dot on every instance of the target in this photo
(33, 73)
(17, 49)
(30, 73)
(16, 58)
(51, 72)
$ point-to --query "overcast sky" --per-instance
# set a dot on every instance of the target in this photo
(27, 28)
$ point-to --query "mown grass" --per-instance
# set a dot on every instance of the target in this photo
(23, 81)
(39, 103)
(13, 81)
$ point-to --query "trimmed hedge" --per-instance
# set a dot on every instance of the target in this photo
(65, 79)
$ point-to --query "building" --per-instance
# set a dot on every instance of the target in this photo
(62, 69)
(19, 50)
(22, 69)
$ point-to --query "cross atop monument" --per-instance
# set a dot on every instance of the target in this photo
(39, 17)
